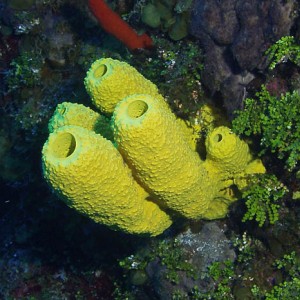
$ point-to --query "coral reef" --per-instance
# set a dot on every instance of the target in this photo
(152, 145)
(50, 251)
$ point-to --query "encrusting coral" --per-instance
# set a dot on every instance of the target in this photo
(147, 170)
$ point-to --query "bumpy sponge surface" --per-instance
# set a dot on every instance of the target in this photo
(68, 113)
(151, 141)
(227, 151)
(108, 81)
(155, 157)
(89, 174)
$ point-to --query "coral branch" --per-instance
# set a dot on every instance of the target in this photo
(113, 24)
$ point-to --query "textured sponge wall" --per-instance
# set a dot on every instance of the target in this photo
(150, 140)
(89, 174)
(132, 170)
(68, 113)
(108, 81)
(227, 151)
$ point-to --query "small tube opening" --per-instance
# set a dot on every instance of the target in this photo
(100, 71)
(218, 138)
(137, 108)
(63, 145)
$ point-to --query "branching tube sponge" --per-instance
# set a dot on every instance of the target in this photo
(133, 170)
(152, 143)
(89, 174)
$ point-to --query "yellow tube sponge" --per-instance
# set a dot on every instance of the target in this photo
(190, 132)
(226, 151)
(155, 167)
(228, 160)
(68, 113)
(152, 143)
(89, 174)
(108, 81)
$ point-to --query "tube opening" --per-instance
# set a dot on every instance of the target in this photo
(137, 108)
(100, 71)
(63, 145)
(218, 138)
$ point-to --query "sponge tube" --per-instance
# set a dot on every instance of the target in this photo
(90, 175)
(226, 151)
(152, 143)
(108, 81)
(68, 113)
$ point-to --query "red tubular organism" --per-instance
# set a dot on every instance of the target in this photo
(113, 24)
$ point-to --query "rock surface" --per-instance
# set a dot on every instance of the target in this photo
(235, 34)
(201, 249)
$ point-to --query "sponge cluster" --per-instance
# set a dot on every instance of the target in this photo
(133, 165)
